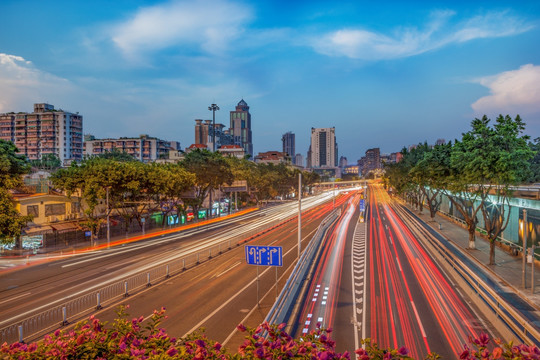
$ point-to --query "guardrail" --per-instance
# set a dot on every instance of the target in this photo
(282, 309)
(512, 245)
(515, 321)
(73, 310)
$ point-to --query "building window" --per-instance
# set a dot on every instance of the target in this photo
(55, 209)
(32, 210)
(75, 207)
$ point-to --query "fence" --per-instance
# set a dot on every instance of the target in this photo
(75, 309)
(283, 309)
(521, 327)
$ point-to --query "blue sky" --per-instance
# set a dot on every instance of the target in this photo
(385, 74)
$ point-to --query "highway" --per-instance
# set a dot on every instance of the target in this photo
(373, 279)
(376, 280)
(34, 289)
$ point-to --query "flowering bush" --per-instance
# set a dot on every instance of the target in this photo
(125, 339)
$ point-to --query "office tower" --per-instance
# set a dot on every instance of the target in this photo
(324, 148)
(288, 145)
(240, 129)
(44, 131)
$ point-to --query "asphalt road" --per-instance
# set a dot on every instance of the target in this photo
(34, 289)
(375, 279)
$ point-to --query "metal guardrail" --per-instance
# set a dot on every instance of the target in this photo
(508, 243)
(283, 307)
(521, 327)
(73, 310)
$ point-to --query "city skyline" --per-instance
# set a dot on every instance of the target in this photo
(384, 75)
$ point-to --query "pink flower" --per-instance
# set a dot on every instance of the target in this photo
(172, 351)
(241, 328)
(482, 340)
(403, 351)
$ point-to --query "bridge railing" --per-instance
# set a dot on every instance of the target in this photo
(284, 307)
(45, 321)
(516, 322)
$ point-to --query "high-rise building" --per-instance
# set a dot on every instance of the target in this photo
(324, 148)
(288, 145)
(342, 162)
(372, 161)
(144, 148)
(202, 131)
(44, 131)
(299, 160)
(204, 134)
(240, 129)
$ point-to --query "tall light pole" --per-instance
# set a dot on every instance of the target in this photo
(213, 109)
(108, 221)
(299, 214)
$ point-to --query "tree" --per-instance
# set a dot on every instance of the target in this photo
(12, 167)
(116, 155)
(488, 160)
(47, 162)
(534, 174)
(431, 174)
(210, 169)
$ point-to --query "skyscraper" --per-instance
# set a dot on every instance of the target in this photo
(241, 127)
(324, 148)
(288, 145)
(44, 131)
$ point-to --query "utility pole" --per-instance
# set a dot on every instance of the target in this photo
(525, 236)
(108, 221)
(213, 109)
(299, 214)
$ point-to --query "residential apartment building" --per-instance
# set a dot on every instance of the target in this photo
(45, 131)
(288, 145)
(240, 129)
(324, 148)
(273, 157)
(232, 150)
(144, 148)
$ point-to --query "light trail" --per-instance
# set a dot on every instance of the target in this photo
(408, 290)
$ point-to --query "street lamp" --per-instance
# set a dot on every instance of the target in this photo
(213, 109)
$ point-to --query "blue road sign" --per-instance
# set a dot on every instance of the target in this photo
(362, 205)
(264, 255)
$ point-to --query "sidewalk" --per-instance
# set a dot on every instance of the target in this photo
(508, 269)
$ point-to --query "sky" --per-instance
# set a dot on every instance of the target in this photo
(385, 74)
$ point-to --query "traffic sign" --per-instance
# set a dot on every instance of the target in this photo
(264, 255)
(362, 205)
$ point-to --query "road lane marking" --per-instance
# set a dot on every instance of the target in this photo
(15, 297)
(229, 269)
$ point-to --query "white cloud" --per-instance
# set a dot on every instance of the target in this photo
(404, 42)
(22, 84)
(210, 25)
(511, 92)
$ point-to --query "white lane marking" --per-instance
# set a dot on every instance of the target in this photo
(229, 269)
(399, 265)
(418, 319)
(15, 297)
